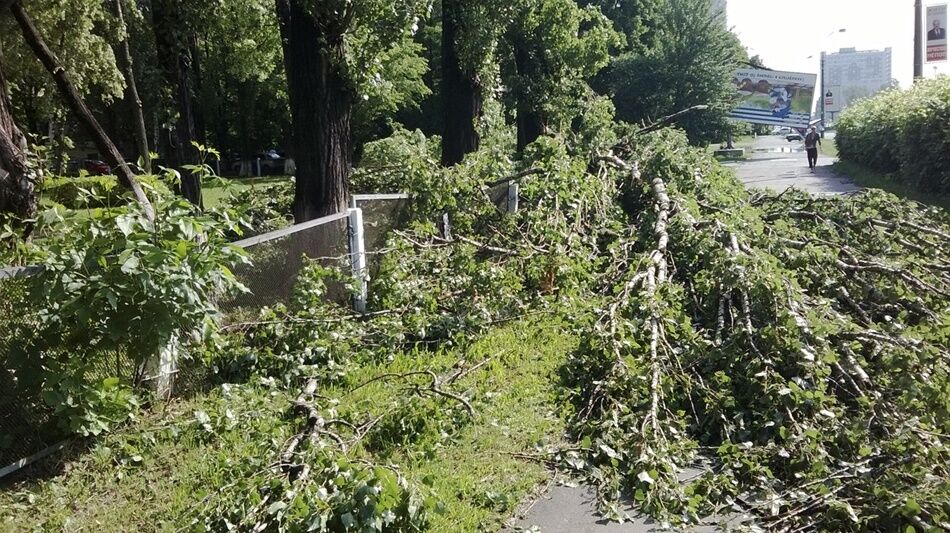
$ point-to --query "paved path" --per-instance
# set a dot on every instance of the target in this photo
(777, 165)
(774, 164)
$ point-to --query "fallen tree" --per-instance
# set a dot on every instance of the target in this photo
(785, 353)
(796, 356)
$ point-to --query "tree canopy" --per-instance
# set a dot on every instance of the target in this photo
(223, 73)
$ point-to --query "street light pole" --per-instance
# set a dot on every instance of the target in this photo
(824, 86)
(822, 94)
(918, 40)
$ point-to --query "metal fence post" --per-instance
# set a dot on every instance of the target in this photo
(513, 189)
(358, 258)
(446, 227)
(167, 367)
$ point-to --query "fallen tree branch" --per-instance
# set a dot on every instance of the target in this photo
(515, 177)
(670, 118)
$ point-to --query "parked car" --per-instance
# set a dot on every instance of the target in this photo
(783, 131)
(93, 167)
(271, 162)
(794, 137)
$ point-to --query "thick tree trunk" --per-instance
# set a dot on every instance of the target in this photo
(124, 59)
(17, 186)
(461, 94)
(195, 54)
(57, 143)
(175, 60)
(529, 120)
(321, 102)
(78, 107)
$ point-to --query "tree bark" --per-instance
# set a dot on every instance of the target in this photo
(57, 143)
(124, 59)
(461, 93)
(69, 93)
(175, 59)
(17, 185)
(529, 119)
(195, 53)
(321, 103)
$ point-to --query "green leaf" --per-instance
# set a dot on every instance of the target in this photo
(130, 265)
(911, 507)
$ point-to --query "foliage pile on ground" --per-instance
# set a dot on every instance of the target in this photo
(902, 132)
(792, 349)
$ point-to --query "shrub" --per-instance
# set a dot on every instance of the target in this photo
(116, 288)
(906, 132)
(265, 208)
(97, 191)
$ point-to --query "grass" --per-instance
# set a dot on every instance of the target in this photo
(157, 473)
(214, 195)
(829, 148)
(147, 476)
(871, 179)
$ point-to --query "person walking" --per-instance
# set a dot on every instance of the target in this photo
(812, 142)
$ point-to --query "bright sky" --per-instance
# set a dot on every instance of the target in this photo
(784, 34)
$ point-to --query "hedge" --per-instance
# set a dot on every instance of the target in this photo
(96, 191)
(902, 132)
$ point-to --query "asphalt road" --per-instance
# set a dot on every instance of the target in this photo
(777, 164)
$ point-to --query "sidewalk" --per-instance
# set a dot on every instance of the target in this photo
(777, 165)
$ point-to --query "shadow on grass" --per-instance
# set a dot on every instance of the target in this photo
(890, 183)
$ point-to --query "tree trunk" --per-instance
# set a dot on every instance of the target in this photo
(461, 94)
(57, 143)
(17, 185)
(69, 93)
(175, 60)
(195, 54)
(124, 59)
(321, 102)
(529, 119)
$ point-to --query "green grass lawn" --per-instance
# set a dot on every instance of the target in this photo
(829, 148)
(157, 473)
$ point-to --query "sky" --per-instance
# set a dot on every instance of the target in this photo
(784, 34)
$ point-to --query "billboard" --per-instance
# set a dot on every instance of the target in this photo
(936, 22)
(773, 97)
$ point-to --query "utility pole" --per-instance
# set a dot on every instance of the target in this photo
(918, 40)
(822, 95)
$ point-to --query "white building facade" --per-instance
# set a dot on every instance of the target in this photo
(851, 74)
(718, 7)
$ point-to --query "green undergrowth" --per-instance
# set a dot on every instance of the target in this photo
(186, 466)
(891, 183)
(217, 194)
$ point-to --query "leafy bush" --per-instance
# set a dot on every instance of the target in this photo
(906, 132)
(115, 289)
(265, 208)
(97, 191)
(394, 163)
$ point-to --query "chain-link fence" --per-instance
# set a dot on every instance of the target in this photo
(28, 425)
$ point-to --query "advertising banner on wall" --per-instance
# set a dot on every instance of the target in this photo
(774, 97)
(936, 22)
